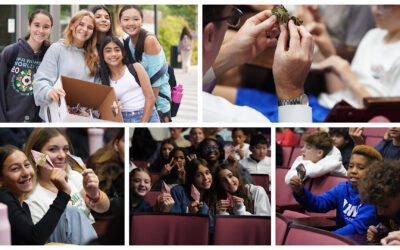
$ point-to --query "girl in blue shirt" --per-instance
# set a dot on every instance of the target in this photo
(146, 50)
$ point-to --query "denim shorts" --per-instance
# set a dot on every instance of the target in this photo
(136, 116)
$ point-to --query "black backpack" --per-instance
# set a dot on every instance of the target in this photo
(156, 76)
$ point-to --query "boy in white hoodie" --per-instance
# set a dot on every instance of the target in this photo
(319, 157)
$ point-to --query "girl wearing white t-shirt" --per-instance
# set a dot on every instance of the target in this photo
(136, 98)
(85, 192)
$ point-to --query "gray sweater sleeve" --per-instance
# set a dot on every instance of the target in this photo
(47, 75)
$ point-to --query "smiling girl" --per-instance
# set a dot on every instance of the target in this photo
(103, 23)
(18, 65)
(146, 50)
(246, 199)
(74, 56)
(16, 181)
(137, 98)
(85, 192)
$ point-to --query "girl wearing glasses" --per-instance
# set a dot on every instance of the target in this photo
(173, 173)
(17, 76)
(236, 197)
(146, 50)
(213, 152)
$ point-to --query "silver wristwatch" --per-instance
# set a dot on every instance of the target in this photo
(301, 100)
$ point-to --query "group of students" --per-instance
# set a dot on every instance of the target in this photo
(225, 186)
(56, 204)
(367, 203)
(89, 51)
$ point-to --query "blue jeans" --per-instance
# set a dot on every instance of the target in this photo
(73, 228)
(136, 116)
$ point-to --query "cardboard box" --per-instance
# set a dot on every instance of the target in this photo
(87, 94)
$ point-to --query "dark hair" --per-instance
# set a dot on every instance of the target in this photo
(102, 7)
(174, 171)
(210, 12)
(167, 141)
(191, 169)
(258, 139)
(240, 192)
(104, 69)
(185, 31)
(237, 129)
(381, 181)
(320, 140)
(5, 152)
(202, 145)
(46, 44)
(139, 47)
(344, 132)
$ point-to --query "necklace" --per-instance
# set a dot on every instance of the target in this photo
(118, 76)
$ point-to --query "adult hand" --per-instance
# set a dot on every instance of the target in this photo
(90, 183)
(222, 206)
(195, 206)
(356, 135)
(297, 186)
(321, 37)
(166, 169)
(393, 238)
(292, 63)
(256, 34)
(372, 234)
(165, 202)
(59, 178)
(55, 94)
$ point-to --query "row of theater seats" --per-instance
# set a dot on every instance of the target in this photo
(288, 233)
(189, 229)
(286, 203)
(372, 136)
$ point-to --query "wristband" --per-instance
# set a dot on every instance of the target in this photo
(94, 199)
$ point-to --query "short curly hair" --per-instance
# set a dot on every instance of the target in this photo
(382, 180)
(320, 140)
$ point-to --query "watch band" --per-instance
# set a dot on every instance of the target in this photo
(301, 100)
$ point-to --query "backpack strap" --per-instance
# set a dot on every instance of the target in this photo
(128, 50)
(133, 72)
(160, 73)
(13, 57)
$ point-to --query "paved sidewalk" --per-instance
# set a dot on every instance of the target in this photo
(188, 109)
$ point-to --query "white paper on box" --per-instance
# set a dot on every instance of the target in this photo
(56, 111)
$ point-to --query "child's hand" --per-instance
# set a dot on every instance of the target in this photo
(297, 186)
(55, 94)
(116, 106)
(240, 152)
(222, 206)
(356, 135)
(372, 234)
(59, 178)
(90, 182)
(393, 238)
(165, 202)
(195, 207)
(237, 199)
(232, 160)
(166, 170)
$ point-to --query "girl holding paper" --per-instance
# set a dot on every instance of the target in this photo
(196, 195)
(17, 76)
(85, 192)
(74, 56)
(238, 198)
(140, 185)
(16, 181)
(134, 92)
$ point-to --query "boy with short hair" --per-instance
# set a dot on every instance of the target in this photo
(258, 162)
(352, 215)
(381, 187)
(319, 157)
(342, 140)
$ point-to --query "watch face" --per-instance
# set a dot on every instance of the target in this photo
(304, 99)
